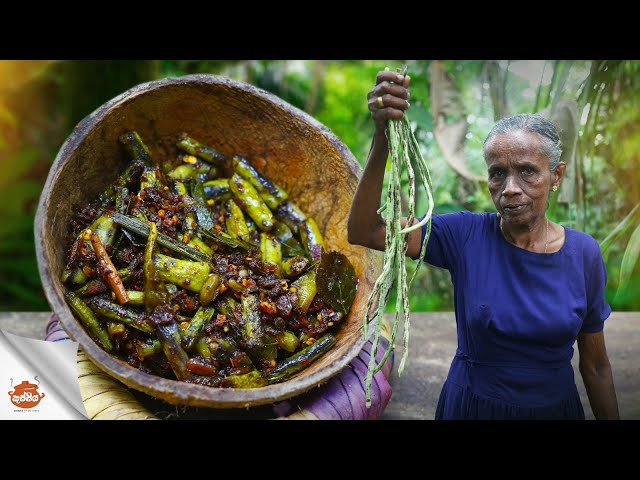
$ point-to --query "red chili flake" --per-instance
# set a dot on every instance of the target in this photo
(266, 307)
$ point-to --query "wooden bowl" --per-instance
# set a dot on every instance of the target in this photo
(284, 143)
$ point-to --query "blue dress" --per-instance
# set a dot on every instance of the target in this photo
(518, 314)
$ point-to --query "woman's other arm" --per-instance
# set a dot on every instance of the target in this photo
(597, 376)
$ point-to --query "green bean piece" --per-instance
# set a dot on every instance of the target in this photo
(135, 297)
(205, 171)
(302, 359)
(190, 222)
(251, 225)
(169, 337)
(306, 288)
(184, 273)
(295, 266)
(236, 286)
(135, 147)
(226, 306)
(197, 243)
(210, 289)
(288, 341)
(271, 193)
(182, 173)
(217, 189)
(119, 313)
(155, 292)
(247, 197)
(270, 249)
(105, 227)
(149, 178)
(115, 328)
(90, 321)
(148, 348)
(311, 238)
(202, 316)
(141, 228)
(282, 232)
(289, 213)
(236, 224)
(205, 220)
(202, 348)
(179, 188)
(247, 380)
(193, 147)
(121, 195)
(252, 326)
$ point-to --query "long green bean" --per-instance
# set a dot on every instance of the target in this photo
(404, 149)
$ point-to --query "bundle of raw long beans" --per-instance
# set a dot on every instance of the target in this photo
(404, 152)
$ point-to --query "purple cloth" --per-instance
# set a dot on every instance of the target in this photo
(54, 331)
(518, 314)
(342, 398)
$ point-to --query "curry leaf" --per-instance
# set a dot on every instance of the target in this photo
(291, 247)
(336, 281)
(225, 239)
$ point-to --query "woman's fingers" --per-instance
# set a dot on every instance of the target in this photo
(380, 116)
(391, 89)
(389, 76)
(388, 101)
(389, 97)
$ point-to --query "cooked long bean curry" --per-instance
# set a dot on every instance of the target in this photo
(199, 268)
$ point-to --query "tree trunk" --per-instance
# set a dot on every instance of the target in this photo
(497, 89)
(317, 80)
(449, 120)
(565, 117)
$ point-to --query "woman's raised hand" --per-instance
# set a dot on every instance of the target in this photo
(389, 98)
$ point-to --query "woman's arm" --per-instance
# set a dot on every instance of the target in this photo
(365, 226)
(597, 376)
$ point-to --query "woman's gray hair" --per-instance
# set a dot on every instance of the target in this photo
(532, 123)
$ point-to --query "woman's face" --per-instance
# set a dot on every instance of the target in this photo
(519, 177)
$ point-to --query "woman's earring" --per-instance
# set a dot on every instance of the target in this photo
(554, 188)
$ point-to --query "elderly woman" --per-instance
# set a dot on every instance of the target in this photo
(525, 288)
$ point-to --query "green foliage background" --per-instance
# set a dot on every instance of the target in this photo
(41, 101)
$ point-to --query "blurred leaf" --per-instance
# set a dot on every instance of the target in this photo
(14, 73)
(16, 167)
(19, 298)
(619, 229)
(629, 261)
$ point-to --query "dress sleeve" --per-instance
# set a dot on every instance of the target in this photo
(598, 309)
(449, 232)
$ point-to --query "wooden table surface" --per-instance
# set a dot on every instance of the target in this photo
(432, 346)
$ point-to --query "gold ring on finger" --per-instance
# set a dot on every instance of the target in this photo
(380, 102)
